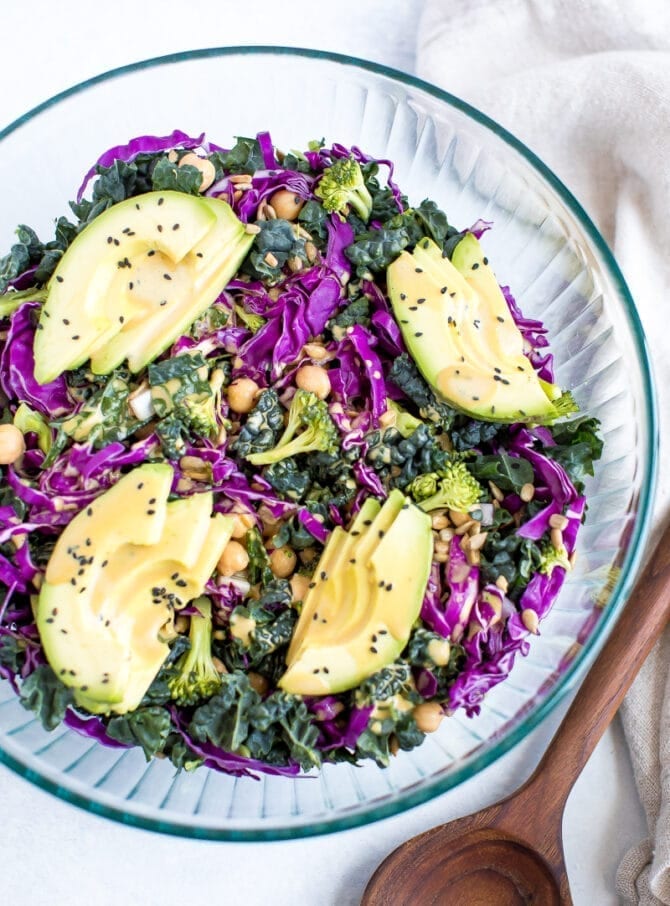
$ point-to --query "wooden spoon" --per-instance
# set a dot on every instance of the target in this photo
(511, 853)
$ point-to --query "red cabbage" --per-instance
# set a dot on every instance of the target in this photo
(17, 368)
(145, 144)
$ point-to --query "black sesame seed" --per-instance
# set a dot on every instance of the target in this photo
(476, 323)
(161, 200)
(82, 589)
(125, 230)
(501, 319)
(137, 206)
(373, 649)
(50, 620)
(150, 512)
(73, 581)
(367, 522)
(167, 277)
(110, 239)
(324, 575)
(116, 242)
(404, 322)
(475, 398)
(403, 296)
(325, 669)
(413, 308)
(84, 688)
(59, 278)
(152, 500)
(373, 638)
(174, 576)
(353, 560)
(383, 632)
(315, 617)
(485, 260)
(354, 533)
(453, 295)
(164, 302)
(89, 511)
(199, 255)
(420, 301)
(159, 228)
(419, 270)
(76, 336)
(418, 333)
(381, 533)
(497, 370)
(389, 587)
(64, 631)
(175, 226)
(181, 583)
(151, 252)
(140, 486)
(443, 290)
(81, 572)
(66, 321)
(316, 670)
(405, 506)
(475, 266)
(312, 585)
(130, 285)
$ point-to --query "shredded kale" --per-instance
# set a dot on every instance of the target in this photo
(46, 696)
(148, 727)
(261, 427)
(271, 249)
(510, 473)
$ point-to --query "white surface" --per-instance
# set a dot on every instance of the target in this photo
(53, 854)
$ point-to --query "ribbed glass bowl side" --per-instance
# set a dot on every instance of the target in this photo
(560, 271)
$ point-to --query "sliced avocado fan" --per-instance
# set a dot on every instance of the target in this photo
(134, 279)
(116, 575)
(366, 595)
(459, 331)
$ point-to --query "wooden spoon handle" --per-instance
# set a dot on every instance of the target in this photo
(639, 626)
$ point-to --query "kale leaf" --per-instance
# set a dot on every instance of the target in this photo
(145, 727)
(46, 696)
(510, 473)
(272, 247)
(578, 445)
(261, 429)
(405, 375)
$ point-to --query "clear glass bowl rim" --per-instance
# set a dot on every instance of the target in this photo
(636, 547)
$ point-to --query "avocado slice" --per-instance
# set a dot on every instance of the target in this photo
(382, 593)
(100, 614)
(169, 307)
(331, 564)
(131, 511)
(140, 273)
(459, 331)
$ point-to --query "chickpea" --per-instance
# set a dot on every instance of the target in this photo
(233, 559)
(12, 444)
(242, 395)
(428, 716)
(299, 586)
(205, 166)
(283, 562)
(219, 666)
(257, 682)
(315, 379)
(286, 204)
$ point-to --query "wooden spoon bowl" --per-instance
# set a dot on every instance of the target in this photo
(511, 853)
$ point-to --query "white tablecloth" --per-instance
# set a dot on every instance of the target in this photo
(52, 854)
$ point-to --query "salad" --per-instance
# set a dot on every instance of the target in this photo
(286, 477)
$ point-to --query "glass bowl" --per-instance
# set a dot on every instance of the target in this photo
(542, 244)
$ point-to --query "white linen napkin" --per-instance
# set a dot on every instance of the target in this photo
(586, 85)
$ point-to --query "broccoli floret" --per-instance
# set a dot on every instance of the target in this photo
(249, 319)
(403, 421)
(196, 678)
(342, 184)
(551, 557)
(452, 487)
(310, 413)
(200, 410)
